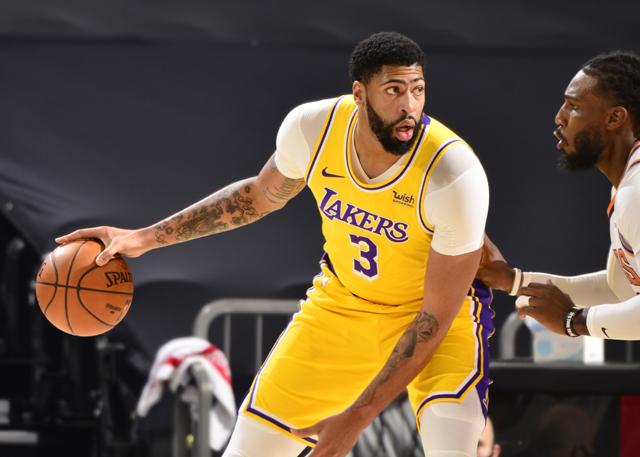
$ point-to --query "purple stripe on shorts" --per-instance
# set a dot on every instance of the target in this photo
(482, 297)
(277, 423)
(485, 296)
(265, 416)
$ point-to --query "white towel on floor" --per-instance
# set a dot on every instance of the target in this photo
(172, 366)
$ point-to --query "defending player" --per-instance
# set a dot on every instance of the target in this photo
(403, 202)
(598, 124)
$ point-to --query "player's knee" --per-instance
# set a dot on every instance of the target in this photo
(457, 412)
(452, 429)
(468, 410)
(251, 438)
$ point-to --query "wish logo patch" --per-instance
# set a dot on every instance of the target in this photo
(404, 199)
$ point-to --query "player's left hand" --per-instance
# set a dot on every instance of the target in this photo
(336, 434)
(547, 304)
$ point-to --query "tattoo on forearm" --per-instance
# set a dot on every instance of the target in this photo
(423, 328)
(226, 209)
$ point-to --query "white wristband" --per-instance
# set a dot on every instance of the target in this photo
(517, 282)
(522, 301)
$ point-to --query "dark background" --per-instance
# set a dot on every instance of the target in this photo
(123, 117)
(124, 112)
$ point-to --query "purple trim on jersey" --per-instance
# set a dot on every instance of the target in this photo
(482, 297)
(325, 258)
(423, 187)
(425, 124)
(324, 137)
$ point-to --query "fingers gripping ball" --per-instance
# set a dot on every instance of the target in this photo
(80, 297)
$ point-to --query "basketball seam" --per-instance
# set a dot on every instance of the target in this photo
(80, 288)
(55, 285)
(66, 292)
(89, 311)
(86, 288)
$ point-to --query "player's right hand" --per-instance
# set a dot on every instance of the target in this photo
(117, 241)
(494, 270)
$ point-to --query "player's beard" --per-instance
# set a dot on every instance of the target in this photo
(384, 132)
(589, 146)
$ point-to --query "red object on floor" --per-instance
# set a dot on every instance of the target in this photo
(629, 425)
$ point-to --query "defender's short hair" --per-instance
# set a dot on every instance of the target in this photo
(383, 48)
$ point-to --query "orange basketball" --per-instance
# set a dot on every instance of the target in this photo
(78, 296)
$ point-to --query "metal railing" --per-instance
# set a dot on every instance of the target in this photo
(191, 439)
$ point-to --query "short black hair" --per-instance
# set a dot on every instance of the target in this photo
(618, 75)
(383, 48)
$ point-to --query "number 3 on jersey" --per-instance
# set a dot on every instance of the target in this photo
(367, 264)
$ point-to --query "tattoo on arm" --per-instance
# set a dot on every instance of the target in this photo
(423, 328)
(230, 207)
(282, 193)
(222, 211)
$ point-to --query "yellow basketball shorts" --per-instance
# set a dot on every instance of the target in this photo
(337, 343)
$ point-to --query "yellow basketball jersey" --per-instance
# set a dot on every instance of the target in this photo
(377, 238)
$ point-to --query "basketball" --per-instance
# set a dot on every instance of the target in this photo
(80, 297)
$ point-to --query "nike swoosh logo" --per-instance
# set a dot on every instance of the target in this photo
(604, 330)
(330, 175)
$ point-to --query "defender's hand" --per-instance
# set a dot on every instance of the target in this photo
(336, 434)
(494, 270)
(547, 304)
(117, 241)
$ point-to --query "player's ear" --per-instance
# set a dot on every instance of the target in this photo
(616, 116)
(357, 89)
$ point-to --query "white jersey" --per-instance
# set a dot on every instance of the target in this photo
(624, 221)
(457, 191)
(612, 296)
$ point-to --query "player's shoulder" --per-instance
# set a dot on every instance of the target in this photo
(627, 210)
(457, 156)
(308, 118)
(313, 109)
(628, 195)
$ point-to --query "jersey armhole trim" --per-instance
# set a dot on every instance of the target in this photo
(321, 139)
(425, 180)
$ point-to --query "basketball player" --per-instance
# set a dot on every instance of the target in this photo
(403, 202)
(598, 125)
